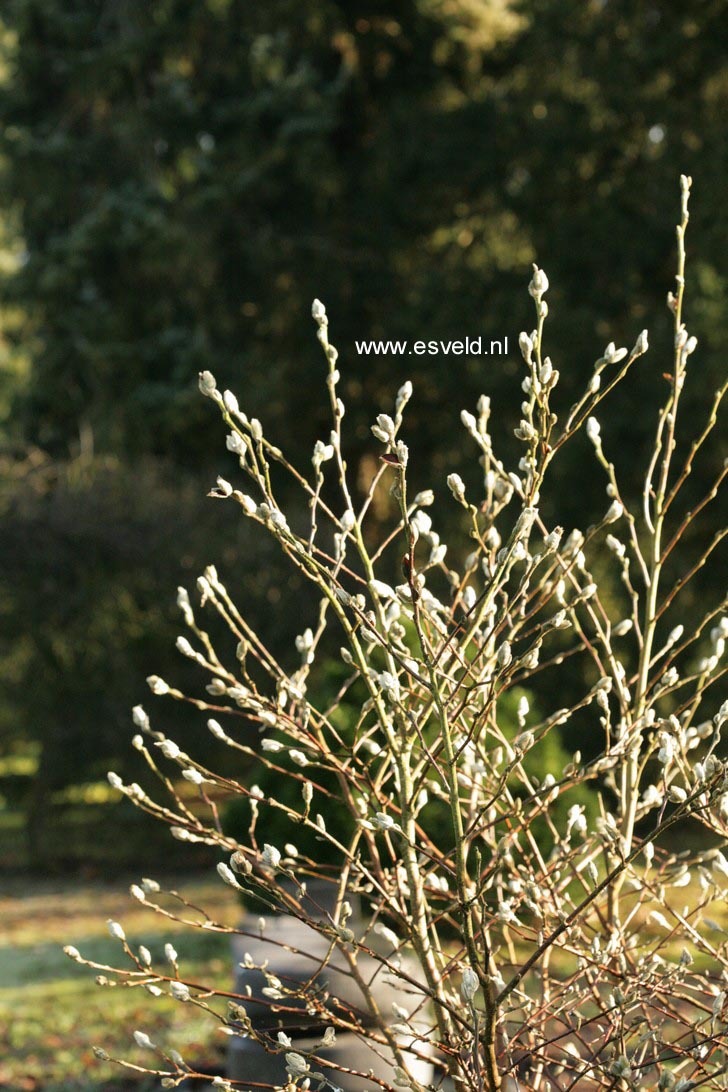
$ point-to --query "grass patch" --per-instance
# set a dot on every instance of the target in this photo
(51, 1011)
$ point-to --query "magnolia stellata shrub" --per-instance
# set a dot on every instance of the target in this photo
(555, 945)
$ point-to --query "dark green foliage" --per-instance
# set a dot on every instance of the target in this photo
(189, 176)
(185, 178)
(92, 555)
(275, 827)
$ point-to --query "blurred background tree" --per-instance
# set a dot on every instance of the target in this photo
(178, 181)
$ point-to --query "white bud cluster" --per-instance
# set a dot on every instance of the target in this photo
(456, 485)
(385, 429)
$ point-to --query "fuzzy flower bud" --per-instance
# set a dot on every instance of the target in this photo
(384, 429)
(321, 453)
(525, 522)
(539, 283)
(157, 686)
(225, 873)
(207, 384)
(469, 985)
(115, 930)
(504, 655)
(641, 345)
(403, 395)
(593, 430)
(526, 346)
(614, 512)
(223, 487)
(469, 422)
(140, 718)
(183, 645)
(142, 1040)
(234, 443)
(169, 749)
(271, 855)
(621, 1068)
(456, 485)
(296, 1065)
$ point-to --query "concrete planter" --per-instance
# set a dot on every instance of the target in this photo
(295, 952)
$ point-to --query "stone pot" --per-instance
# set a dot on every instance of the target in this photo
(295, 951)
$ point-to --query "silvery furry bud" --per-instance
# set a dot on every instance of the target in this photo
(593, 430)
(504, 655)
(115, 930)
(156, 685)
(183, 645)
(234, 442)
(271, 855)
(456, 485)
(207, 385)
(469, 985)
(140, 718)
(384, 429)
(142, 1040)
(468, 420)
(403, 395)
(322, 453)
(641, 345)
(525, 522)
(216, 729)
(169, 749)
(553, 539)
(526, 346)
(612, 355)
(621, 1068)
(539, 283)
(225, 873)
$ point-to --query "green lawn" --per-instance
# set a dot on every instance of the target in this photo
(52, 1012)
